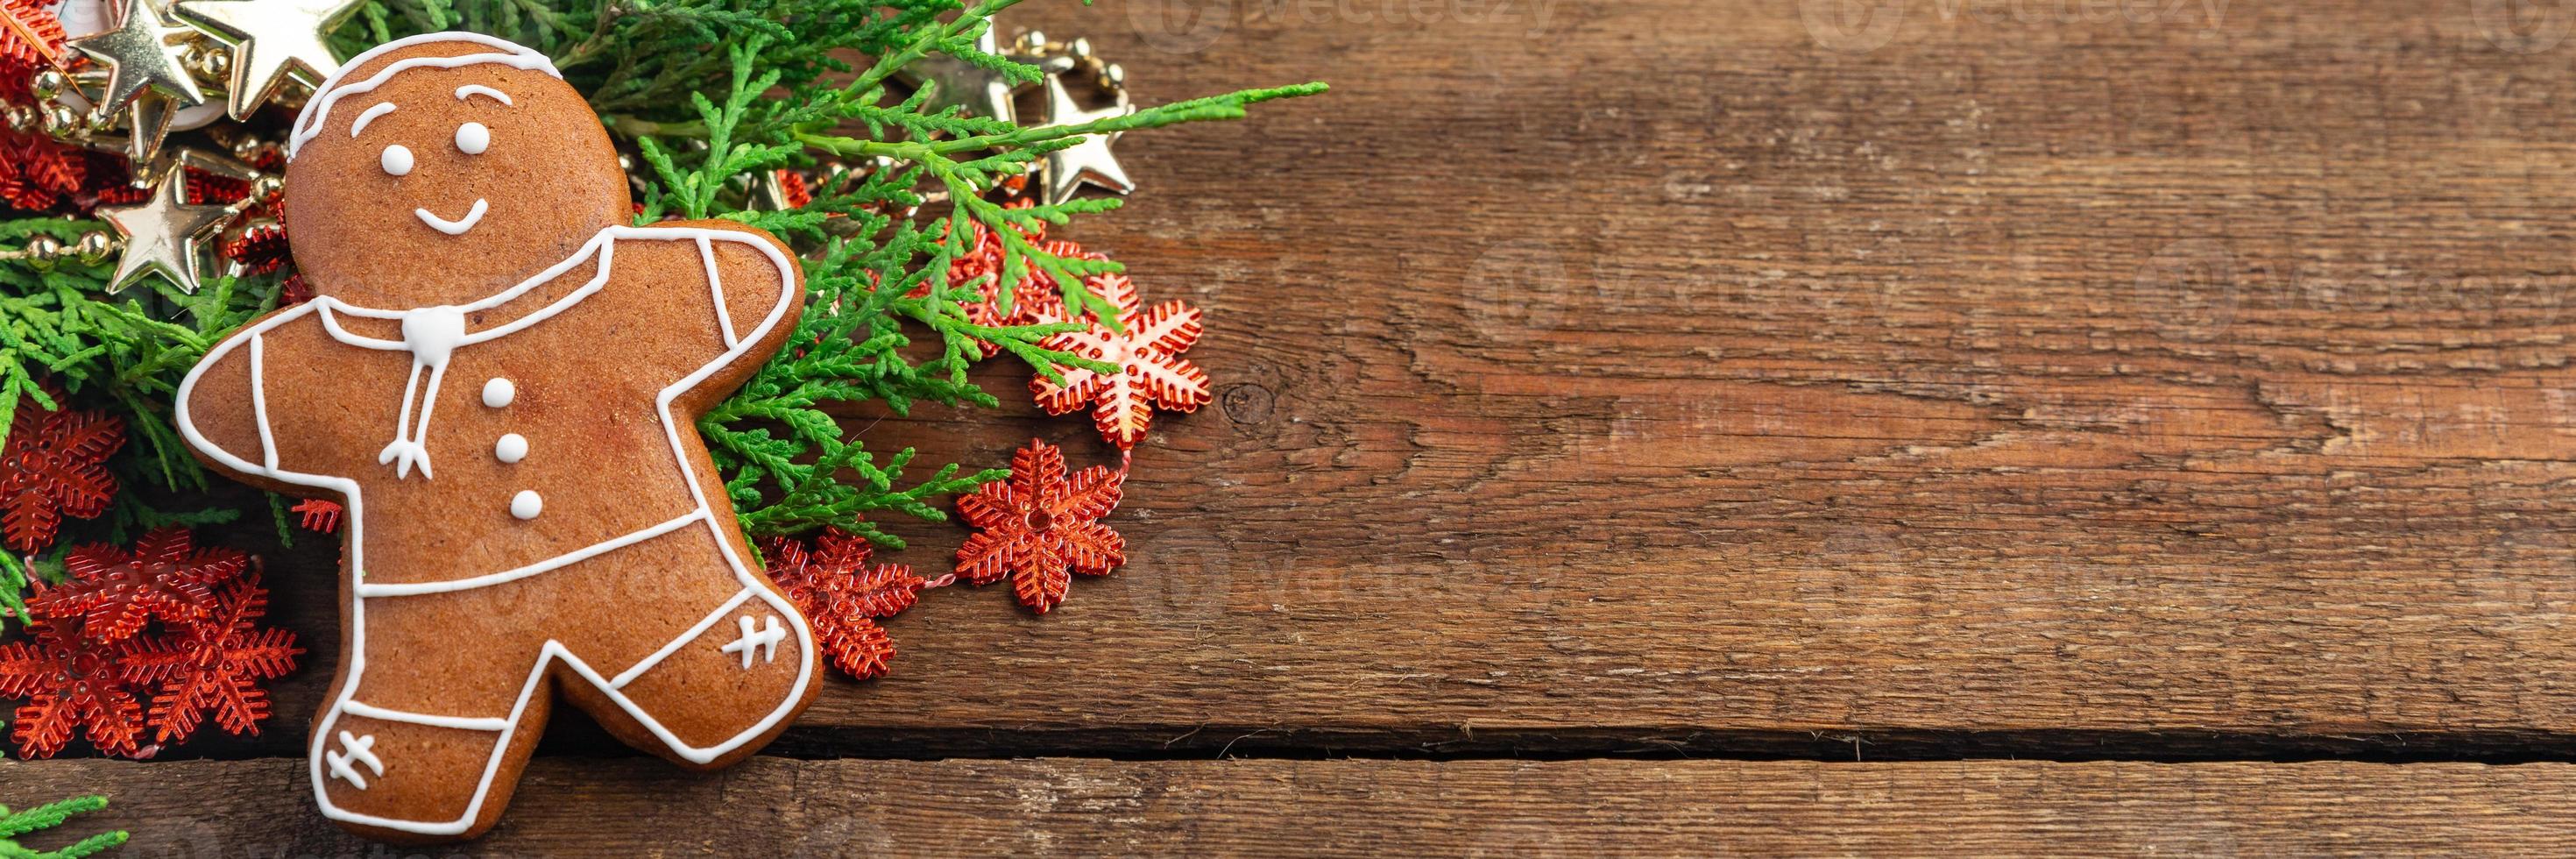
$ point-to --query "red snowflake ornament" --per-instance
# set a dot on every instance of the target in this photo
(842, 596)
(113, 593)
(1034, 299)
(1147, 352)
(30, 35)
(54, 465)
(261, 248)
(71, 684)
(793, 190)
(319, 515)
(1040, 527)
(37, 172)
(215, 666)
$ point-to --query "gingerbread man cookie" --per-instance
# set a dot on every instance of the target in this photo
(500, 380)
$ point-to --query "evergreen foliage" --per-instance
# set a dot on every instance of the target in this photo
(14, 824)
(711, 94)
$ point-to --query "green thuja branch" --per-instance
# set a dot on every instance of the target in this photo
(712, 97)
(882, 321)
(14, 824)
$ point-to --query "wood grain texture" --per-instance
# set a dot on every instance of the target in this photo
(1062, 807)
(1658, 374)
(1650, 374)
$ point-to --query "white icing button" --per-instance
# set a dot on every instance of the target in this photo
(472, 138)
(526, 505)
(396, 160)
(499, 392)
(511, 448)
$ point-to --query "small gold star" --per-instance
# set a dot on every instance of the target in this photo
(1088, 161)
(161, 234)
(271, 41)
(138, 54)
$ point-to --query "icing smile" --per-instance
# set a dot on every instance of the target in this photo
(456, 227)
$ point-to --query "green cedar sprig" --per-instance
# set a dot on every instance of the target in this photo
(14, 824)
(712, 94)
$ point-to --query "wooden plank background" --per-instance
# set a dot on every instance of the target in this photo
(2183, 382)
(1495, 808)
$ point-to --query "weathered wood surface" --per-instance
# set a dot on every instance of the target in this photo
(1063, 807)
(1646, 374)
(1687, 375)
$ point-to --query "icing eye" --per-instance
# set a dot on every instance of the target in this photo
(472, 138)
(396, 160)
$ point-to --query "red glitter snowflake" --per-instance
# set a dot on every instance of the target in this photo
(36, 172)
(836, 589)
(114, 593)
(110, 184)
(71, 684)
(30, 35)
(54, 465)
(793, 189)
(1040, 527)
(295, 290)
(319, 515)
(1148, 352)
(215, 666)
(207, 189)
(1035, 299)
(260, 249)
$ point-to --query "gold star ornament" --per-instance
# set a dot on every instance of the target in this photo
(271, 40)
(1088, 161)
(139, 55)
(162, 234)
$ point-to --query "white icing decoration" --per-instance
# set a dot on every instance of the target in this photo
(259, 402)
(361, 750)
(479, 89)
(463, 724)
(318, 110)
(430, 334)
(527, 504)
(396, 160)
(499, 392)
(601, 247)
(511, 448)
(472, 138)
(369, 115)
(715, 286)
(765, 640)
(456, 227)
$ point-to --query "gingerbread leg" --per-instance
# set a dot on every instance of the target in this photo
(421, 774)
(441, 700)
(720, 689)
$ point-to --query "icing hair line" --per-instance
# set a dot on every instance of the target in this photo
(318, 111)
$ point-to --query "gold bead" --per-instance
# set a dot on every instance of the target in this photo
(1114, 77)
(43, 251)
(213, 63)
(47, 83)
(21, 119)
(59, 120)
(1033, 41)
(1081, 48)
(93, 247)
(265, 185)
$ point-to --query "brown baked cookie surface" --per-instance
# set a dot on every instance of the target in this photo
(500, 381)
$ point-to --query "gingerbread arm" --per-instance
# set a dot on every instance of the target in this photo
(755, 282)
(220, 407)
